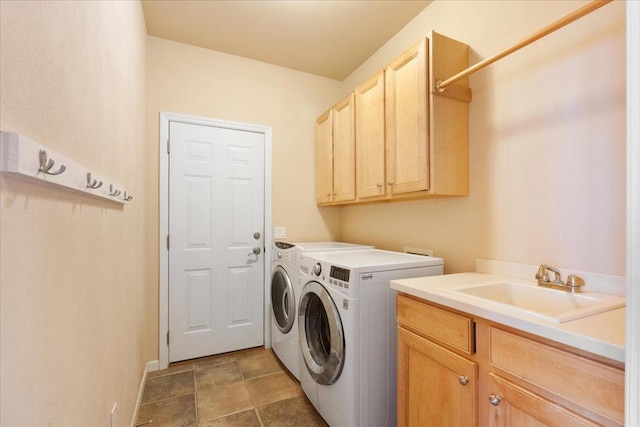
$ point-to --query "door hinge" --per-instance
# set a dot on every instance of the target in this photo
(168, 146)
(167, 337)
(167, 242)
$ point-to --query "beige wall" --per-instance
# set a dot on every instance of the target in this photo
(547, 142)
(75, 301)
(190, 80)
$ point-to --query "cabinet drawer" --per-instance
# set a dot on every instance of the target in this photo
(587, 384)
(436, 323)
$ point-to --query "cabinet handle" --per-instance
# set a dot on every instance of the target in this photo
(390, 182)
(379, 185)
(463, 380)
(494, 399)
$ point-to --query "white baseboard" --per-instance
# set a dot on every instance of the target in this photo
(151, 366)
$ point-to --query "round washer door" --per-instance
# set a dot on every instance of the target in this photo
(283, 305)
(321, 334)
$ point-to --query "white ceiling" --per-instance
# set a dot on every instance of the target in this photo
(329, 38)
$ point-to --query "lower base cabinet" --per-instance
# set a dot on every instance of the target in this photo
(436, 386)
(503, 377)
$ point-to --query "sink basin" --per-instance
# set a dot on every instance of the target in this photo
(549, 304)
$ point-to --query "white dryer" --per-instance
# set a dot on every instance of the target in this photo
(285, 293)
(347, 327)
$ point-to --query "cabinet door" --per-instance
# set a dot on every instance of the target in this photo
(407, 122)
(344, 150)
(370, 159)
(511, 405)
(324, 158)
(436, 387)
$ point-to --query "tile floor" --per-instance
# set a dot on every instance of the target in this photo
(245, 388)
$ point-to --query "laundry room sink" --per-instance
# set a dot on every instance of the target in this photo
(550, 304)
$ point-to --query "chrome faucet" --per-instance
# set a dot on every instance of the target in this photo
(573, 285)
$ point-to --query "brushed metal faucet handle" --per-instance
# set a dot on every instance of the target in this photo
(575, 281)
(542, 274)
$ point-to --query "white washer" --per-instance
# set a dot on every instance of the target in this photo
(347, 329)
(285, 296)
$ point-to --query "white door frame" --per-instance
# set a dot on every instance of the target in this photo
(632, 409)
(165, 118)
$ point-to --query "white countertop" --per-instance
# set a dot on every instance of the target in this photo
(602, 334)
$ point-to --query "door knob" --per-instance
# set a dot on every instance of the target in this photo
(255, 251)
(256, 235)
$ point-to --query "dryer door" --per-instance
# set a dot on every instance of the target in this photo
(321, 334)
(283, 305)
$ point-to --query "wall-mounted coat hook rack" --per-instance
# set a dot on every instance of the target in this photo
(45, 166)
(126, 197)
(95, 184)
(23, 158)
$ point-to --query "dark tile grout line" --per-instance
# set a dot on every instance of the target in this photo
(254, 407)
(193, 366)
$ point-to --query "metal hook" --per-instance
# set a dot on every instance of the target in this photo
(45, 166)
(127, 198)
(113, 192)
(94, 184)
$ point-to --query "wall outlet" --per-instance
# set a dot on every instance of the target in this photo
(418, 251)
(114, 420)
(280, 232)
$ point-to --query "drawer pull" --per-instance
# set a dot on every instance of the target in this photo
(463, 380)
(494, 399)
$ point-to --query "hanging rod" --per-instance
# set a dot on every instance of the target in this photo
(573, 16)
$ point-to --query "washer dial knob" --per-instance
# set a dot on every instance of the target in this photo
(317, 269)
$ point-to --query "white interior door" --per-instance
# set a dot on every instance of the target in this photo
(216, 228)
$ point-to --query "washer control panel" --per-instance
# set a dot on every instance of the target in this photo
(339, 273)
(339, 278)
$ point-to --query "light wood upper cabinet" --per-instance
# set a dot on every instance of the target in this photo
(370, 148)
(411, 141)
(324, 158)
(407, 121)
(448, 118)
(335, 153)
(344, 150)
